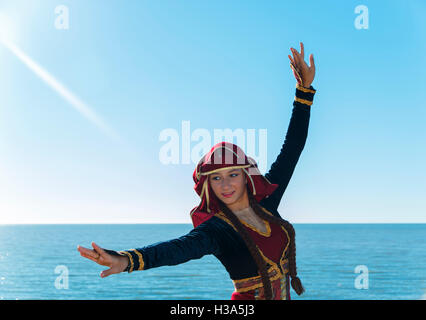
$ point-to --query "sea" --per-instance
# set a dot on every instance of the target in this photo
(334, 262)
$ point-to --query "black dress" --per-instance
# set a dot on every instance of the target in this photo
(217, 235)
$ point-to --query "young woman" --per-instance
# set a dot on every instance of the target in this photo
(237, 219)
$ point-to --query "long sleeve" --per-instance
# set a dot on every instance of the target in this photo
(282, 169)
(194, 245)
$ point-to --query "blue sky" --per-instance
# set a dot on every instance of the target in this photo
(143, 67)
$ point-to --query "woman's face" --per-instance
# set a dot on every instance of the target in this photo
(230, 187)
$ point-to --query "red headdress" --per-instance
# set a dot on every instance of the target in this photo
(225, 155)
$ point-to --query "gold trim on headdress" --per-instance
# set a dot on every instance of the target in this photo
(203, 190)
(192, 211)
(197, 173)
(252, 182)
(207, 195)
(225, 168)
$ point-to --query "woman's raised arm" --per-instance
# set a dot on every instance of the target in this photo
(282, 169)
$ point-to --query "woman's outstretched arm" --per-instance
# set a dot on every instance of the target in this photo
(194, 245)
(282, 169)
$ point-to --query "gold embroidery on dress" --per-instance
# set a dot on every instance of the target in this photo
(304, 89)
(265, 234)
(278, 272)
(222, 216)
(130, 258)
(248, 284)
(141, 263)
(282, 227)
(303, 101)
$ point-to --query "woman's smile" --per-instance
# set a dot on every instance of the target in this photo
(228, 195)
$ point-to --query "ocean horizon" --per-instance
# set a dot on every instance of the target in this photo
(336, 261)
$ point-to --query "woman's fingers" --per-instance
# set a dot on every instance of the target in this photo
(292, 61)
(88, 257)
(106, 273)
(298, 58)
(87, 252)
(302, 51)
(295, 58)
(311, 61)
(97, 255)
(99, 250)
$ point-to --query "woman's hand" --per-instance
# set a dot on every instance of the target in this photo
(303, 73)
(116, 264)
